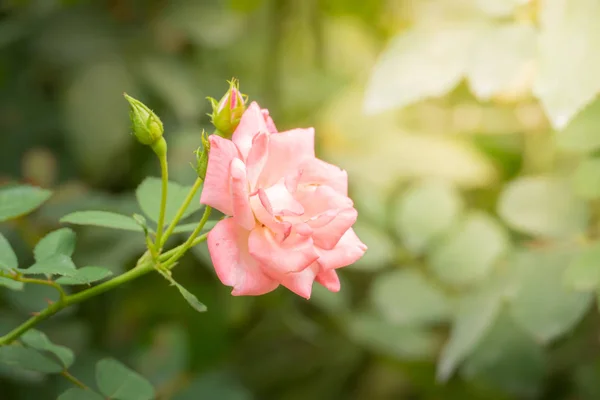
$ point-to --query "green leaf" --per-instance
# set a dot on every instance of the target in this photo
(58, 264)
(581, 134)
(85, 276)
(419, 64)
(148, 195)
(8, 258)
(583, 273)
(425, 212)
(468, 254)
(190, 227)
(381, 247)
(542, 206)
(190, 298)
(542, 304)
(501, 56)
(405, 297)
(104, 219)
(19, 200)
(476, 314)
(79, 394)
(118, 382)
(9, 283)
(565, 84)
(586, 179)
(39, 341)
(27, 358)
(61, 241)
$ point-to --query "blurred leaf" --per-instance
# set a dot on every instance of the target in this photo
(215, 385)
(102, 218)
(581, 134)
(79, 394)
(61, 241)
(501, 56)
(335, 303)
(27, 358)
(118, 382)
(85, 275)
(426, 211)
(405, 297)
(583, 272)
(8, 258)
(565, 85)
(190, 298)
(475, 315)
(542, 304)
(542, 206)
(508, 359)
(39, 341)
(419, 64)
(10, 284)
(185, 228)
(381, 248)
(586, 179)
(58, 264)
(19, 200)
(148, 195)
(499, 8)
(469, 253)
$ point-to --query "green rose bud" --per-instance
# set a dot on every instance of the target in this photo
(146, 125)
(228, 111)
(202, 156)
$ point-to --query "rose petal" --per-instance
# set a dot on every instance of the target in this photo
(318, 172)
(300, 282)
(293, 254)
(269, 121)
(327, 236)
(329, 279)
(347, 251)
(228, 248)
(242, 213)
(281, 201)
(215, 192)
(251, 123)
(257, 157)
(263, 211)
(318, 199)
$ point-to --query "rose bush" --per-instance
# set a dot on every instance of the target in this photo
(291, 217)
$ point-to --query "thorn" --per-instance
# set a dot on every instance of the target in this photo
(35, 313)
(50, 302)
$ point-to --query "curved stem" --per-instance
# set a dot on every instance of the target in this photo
(74, 380)
(190, 241)
(180, 212)
(53, 284)
(164, 172)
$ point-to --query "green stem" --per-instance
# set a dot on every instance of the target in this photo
(190, 241)
(53, 284)
(74, 380)
(180, 212)
(164, 172)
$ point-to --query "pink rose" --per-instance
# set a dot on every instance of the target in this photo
(291, 213)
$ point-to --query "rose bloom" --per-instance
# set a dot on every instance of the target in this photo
(291, 215)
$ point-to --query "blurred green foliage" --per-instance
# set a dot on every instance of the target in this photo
(470, 131)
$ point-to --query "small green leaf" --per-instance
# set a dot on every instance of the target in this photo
(190, 227)
(9, 283)
(8, 258)
(58, 264)
(61, 241)
(27, 358)
(586, 179)
(39, 341)
(85, 275)
(118, 382)
(79, 394)
(190, 298)
(104, 219)
(19, 200)
(148, 195)
(583, 273)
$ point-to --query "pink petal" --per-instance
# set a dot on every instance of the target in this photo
(318, 172)
(216, 184)
(318, 199)
(280, 200)
(257, 157)
(287, 151)
(228, 247)
(242, 213)
(251, 123)
(263, 211)
(347, 251)
(269, 121)
(329, 279)
(327, 236)
(300, 282)
(294, 254)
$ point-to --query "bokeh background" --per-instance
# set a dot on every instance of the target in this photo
(470, 132)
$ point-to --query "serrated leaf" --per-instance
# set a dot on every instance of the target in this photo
(27, 358)
(19, 200)
(567, 77)
(8, 258)
(583, 273)
(85, 276)
(148, 195)
(542, 303)
(118, 382)
(104, 219)
(468, 254)
(79, 394)
(39, 341)
(542, 206)
(61, 241)
(586, 179)
(58, 264)
(10, 284)
(425, 212)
